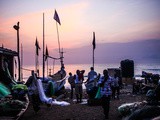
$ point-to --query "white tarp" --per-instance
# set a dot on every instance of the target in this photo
(46, 99)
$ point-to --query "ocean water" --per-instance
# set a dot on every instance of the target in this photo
(138, 68)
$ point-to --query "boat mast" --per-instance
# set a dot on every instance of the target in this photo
(16, 27)
(56, 17)
(21, 61)
(94, 46)
(61, 58)
(43, 50)
(60, 52)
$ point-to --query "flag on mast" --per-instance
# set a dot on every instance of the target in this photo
(47, 54)
(56, 17)
(37, 46)
(94, 41)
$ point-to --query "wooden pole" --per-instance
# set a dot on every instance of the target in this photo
(21, 62)
(93, 57)
(16, 27)
(94, 46)
(47, 67)
(53, 65)
(43, 49)
(36, 63)
(59, 45)
(58, 38)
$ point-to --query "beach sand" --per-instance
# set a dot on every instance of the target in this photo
(81, 111)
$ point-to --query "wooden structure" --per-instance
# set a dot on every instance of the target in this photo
(7, 64)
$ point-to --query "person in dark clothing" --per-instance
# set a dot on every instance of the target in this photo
(33, 92)
(105, 84)
(115, 87)
(79, 77)
(72, 84)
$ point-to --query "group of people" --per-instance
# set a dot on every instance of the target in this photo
(109, 86)
(76, 82)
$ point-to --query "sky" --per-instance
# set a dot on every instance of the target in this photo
(111, 20)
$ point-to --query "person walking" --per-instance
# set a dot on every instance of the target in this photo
(105, 84)
(72, 84)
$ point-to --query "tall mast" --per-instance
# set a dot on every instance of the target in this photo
(58, 39)
(16, 27)
(21, 61)
(43, 49)
(93, 58)
(61, 58)
(56, 17)
(94, 46)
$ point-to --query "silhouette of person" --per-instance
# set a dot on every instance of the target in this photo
(115, 86)
(79, 77)
(105, 84)
(91, 75)
(72, 84)
(33, 91)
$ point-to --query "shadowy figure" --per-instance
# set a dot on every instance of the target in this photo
(115, 87)
(79, 77)
(105, 84)
(91, 75)
(72, 84)
(33, 91)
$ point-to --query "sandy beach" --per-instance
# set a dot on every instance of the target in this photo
(81, 111)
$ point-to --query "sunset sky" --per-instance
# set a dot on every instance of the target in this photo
(111, 20)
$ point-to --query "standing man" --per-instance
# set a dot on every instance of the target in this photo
(91, 75)
(72, 84)
(79, 77)
(115, 87)
(105, 84)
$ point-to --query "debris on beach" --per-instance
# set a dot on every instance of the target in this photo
(128, 108)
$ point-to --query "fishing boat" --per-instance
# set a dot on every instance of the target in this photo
(53, 87)
(61, 74)
(52, 84)
(13, 93)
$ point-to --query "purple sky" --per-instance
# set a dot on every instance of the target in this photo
(112, 21)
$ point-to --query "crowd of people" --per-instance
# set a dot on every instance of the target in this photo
(109, 86)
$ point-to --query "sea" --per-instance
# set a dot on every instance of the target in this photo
(153, 68)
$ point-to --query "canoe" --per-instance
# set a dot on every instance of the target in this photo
(61, 74)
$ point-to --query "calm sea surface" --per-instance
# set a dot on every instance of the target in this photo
(138, 68)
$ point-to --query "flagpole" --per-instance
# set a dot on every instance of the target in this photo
(36, 63)
(53, 65)
(16, 27)
(93, 57)
(21, 62)
(94, 46)
(56, 17)
(37, 66)
(58, 36)
(35, 60)
(47, 67)
(43, 49)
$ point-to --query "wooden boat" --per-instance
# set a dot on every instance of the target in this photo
(52, 83)
(61, 74)
(53, 87)
(11, 107)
